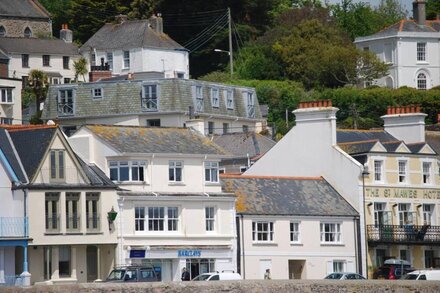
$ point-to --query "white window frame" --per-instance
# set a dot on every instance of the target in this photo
(210, 214)
(57, 165)
(97, 93)
(170, 220)
(125, 59)
(265, 232)
(6, 95)
(332, 230)
(295, 233)
(428, 213)
(404, 213)
(229, 97)
(131, 165)
(339, 266)
(198, 91)
(422, 81)
(250, 104)
(150, 97)
(427, 173)
(378, 171)
(215, 97)
(66, 106)
(109, 56)
(402, 171)
(174, 165)
(421, 51)
(211, 172)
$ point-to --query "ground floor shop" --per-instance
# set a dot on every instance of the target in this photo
(290, 266)
(71, 263)
(169, 262)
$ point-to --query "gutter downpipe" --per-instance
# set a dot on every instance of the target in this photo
(25, 275)
(242, 250)
(365, 173)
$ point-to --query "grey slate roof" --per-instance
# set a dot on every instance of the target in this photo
(39, 139)
(123, 97)
(347, 135)
(23, 8)
(37, 46)
(137, 139)
(241, 144)
(128, 35)
(432, 26)
(3, 55)
(283, 196)
(433, 139)
(8, 150)
(96, 175)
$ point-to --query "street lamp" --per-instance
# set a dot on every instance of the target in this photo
(230, 59)
(364, 173)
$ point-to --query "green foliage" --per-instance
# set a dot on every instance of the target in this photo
(257, 62)
(38, 85)
(432, 9)
(80, 68)
(142, 9)
(57, 9)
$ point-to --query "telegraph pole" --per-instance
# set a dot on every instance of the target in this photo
(231, 60)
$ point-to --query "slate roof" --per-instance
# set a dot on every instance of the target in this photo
(37, 46)
(404, 25)
(23, 8)
(96, 175)
(433, 139)
(149, 140)
(241, 144)
(8, 150)
(39, 139)
(347, 135)
(3, 56)
(128, 35)
(286, 196)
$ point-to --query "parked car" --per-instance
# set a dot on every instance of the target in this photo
(430, 275)
(217, 277)
(132, 274)
(344, 276)
(392, 269)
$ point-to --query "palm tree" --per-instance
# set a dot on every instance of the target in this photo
(80, 67)
(38, 83)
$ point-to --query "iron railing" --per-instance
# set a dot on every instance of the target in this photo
(11, 227)
(403, 234)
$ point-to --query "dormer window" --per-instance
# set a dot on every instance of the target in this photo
(229, 99)
(27, 32)
(2, 31)
(250, 104)
(199, 98)
(97, 93)
(215, 97)
(65, 102)
(149, 100)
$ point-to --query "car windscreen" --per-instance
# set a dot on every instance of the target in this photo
(410, 277)
(116, 275)
(334, 276)
(201, 278)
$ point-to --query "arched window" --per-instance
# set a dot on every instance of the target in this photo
(27, 32)
(2, 31)
(421, 81)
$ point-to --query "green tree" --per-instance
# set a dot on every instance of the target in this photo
(57, 9)
(432, 9)
(257, 62)
(38, 83)
(80, 67)
(390, 11)
(142, 9)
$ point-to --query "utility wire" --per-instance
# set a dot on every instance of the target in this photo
(207, 30)
(209, 38)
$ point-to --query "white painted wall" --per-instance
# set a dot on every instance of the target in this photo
(12, 110)
(36, 62)
(404, 66)
(281, 250)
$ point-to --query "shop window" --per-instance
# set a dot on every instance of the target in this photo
(196, 267)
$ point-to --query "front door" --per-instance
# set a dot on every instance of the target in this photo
(92, 263)
(296, 268)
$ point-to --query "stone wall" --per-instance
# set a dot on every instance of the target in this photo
(260, 286)
(16, 27)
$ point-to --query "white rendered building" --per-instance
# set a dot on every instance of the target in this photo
(411, 48)
(10, 101)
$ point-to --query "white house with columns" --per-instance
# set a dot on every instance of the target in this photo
(411, 48)
(173, 213)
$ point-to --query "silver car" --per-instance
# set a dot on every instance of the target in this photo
(344, 276)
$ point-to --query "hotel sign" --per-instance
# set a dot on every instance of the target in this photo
(405, 193)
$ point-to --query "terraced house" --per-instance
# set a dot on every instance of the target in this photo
(155, 102)
(72, 236)
(174, 214)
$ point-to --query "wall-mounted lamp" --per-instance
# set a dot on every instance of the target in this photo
(370, 204)
(111, 216)
(394, 205)
(419, 206)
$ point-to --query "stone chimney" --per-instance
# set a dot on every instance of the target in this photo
(66, 34)
(121, 18)
(419, 11)
(405, 123)
(317, 118)
(196, 124)
(156, 23)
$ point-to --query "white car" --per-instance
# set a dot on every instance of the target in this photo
(217, 277)
(344, 276)
(430, 275)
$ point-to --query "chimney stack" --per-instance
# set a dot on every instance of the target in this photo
(156, 23)
(405, 123)
(66, 34)
(419, 11)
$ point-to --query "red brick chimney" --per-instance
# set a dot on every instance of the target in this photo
(100, 72)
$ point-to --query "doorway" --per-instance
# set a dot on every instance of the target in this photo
(296, 268)
(92, 263)
(196, 266)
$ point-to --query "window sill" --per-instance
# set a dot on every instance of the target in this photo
(212, 183)
(131, 182)
(296, 244)
(73, 233)
(53, 233)
(422, 62)
(94, 233)
(176, 184)
(264, 244)
(332, 244)
(7, 103)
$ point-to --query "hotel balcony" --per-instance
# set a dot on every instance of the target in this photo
(13, 227)
(403, 234)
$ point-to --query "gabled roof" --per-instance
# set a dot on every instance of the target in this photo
(31, 145)
(37, 46)
(23, 8)
(243, 144)
(95, 175)
(286, 196)
(129, 35)
(8, 150)
(150, 140)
